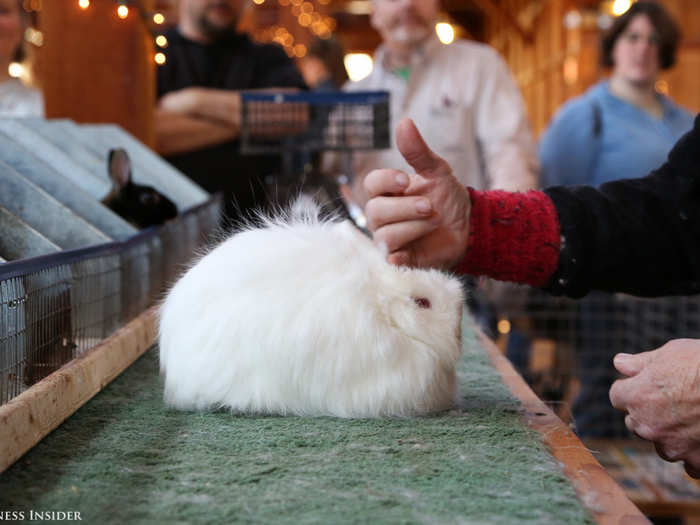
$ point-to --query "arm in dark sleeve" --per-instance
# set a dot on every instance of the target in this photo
(639, 236)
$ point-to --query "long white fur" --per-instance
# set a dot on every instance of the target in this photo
(305, 316)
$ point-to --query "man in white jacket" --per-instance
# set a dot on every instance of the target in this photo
(461, 95)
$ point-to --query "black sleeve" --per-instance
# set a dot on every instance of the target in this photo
(638, 236)
(275, 69)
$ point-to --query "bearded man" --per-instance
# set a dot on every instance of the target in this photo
(207, 64)
(460, 95)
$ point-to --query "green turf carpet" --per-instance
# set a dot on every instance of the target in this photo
(124, 458)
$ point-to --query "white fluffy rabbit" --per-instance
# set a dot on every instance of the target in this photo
(305, 316)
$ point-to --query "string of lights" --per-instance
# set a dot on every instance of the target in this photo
(308, 16)
(152, 20)
(306, 13)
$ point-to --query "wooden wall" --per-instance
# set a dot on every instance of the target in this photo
(684, 79)
(95, 67)
(553, 63)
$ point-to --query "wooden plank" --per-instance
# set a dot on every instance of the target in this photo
(96, 68)
(598, 492)
(26, 419)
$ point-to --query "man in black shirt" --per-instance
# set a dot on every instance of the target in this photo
(198, 113)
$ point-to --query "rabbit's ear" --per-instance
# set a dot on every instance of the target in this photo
(119, 167)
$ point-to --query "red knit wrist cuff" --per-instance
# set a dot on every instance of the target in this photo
(512, 237)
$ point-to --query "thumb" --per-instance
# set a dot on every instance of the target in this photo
(415, 150)
(631, 364)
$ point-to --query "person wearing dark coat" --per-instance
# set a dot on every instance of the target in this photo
(208, 64)
(638, 236)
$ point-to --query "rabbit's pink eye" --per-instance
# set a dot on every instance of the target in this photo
(422, 302)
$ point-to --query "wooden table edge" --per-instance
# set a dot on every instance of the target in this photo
(29, 417)
(598, 492)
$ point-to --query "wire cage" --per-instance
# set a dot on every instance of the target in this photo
(56, 307)
(311, 122)
(557, 342)
(300, 126)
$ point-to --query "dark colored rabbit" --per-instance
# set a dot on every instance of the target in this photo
(142, 206)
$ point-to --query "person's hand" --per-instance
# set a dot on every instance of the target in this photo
(421, 218)
(661, 395)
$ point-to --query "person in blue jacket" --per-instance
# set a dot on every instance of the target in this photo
(621, 127)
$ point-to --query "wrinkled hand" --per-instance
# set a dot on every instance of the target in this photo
(661, 396)
(422, 218)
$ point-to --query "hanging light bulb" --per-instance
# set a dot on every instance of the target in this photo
(83, 4)
(34, 36)
(300, 50)
(504, 326)
(122, 11)
(620, 7)
(158, 18)
(16, 70)
(358, 65)
(445, 32)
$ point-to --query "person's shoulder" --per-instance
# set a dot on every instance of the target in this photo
(174, 37)
(36, 98)
(471, 47)
(368, 83)
(14, 86)
(19, 100)
(472, 53)
(263, 51)
(475, 60)
(678, 113)
(575, 120)
(581, 107)
(358, 85)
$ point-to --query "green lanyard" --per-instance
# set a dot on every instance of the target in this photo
(403, 73)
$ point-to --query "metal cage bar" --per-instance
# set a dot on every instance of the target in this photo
(55, 307)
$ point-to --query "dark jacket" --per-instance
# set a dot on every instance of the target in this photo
(638, 236)
(236, 63)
